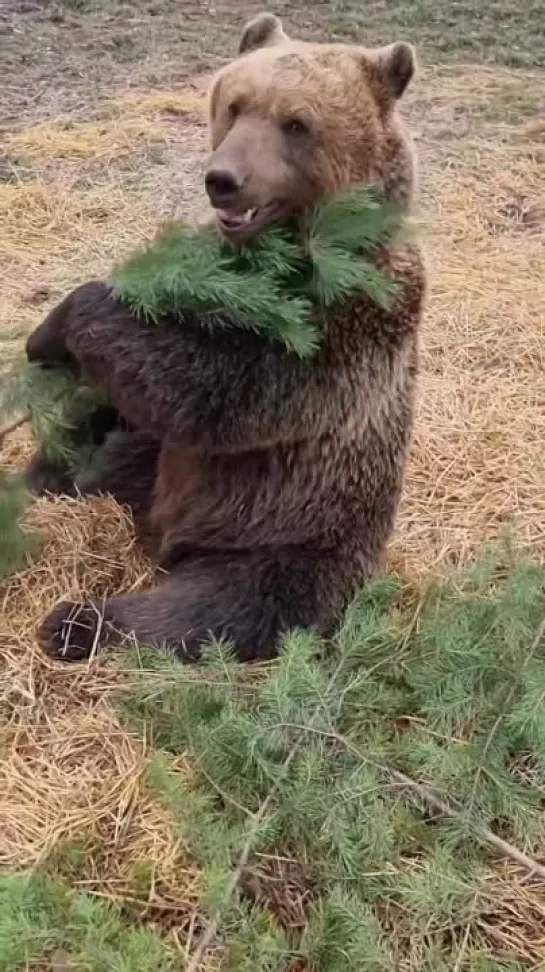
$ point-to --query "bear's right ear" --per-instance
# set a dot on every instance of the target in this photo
(398, 64)
(263, 31)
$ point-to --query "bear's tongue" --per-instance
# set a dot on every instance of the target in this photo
(232, 220)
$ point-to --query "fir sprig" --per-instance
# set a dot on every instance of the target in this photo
(44, 924)
(59, 408)
(274, 284)
(17, 542)
(197, 275)
(55, 402)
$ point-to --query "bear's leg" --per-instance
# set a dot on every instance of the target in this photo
(125, 468)
(251, 600)
(45, 476)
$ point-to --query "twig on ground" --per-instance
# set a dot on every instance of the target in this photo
(211, 929)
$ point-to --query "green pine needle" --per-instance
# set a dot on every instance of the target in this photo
(274, 284)
(55, 401)
(18, 544)
(43, 924)
(358, 220)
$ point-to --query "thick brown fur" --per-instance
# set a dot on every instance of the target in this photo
(267, 484)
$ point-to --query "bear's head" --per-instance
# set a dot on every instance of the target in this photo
(293, 122)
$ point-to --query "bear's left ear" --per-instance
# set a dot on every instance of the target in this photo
(397, 65)
(263, 31)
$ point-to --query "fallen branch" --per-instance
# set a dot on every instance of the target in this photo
(211, 929)
(430, 798)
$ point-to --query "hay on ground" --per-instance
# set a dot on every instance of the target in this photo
(102, 141)
(72, 780)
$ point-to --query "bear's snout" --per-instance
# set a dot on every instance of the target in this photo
(223, 186)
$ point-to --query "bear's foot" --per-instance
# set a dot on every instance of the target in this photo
(73, 632)
(49, 477)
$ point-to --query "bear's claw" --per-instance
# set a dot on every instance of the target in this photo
(72, 632)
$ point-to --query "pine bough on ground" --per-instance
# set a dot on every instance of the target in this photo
(391, 768)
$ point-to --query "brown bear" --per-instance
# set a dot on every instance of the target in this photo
(267, 482)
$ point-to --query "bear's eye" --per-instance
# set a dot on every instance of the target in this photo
(234, 110)
(294, 126)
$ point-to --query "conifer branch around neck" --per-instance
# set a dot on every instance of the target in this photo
(278, 286)
(274, 285)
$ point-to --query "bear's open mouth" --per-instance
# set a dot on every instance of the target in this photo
(242, 226)
(235, 220)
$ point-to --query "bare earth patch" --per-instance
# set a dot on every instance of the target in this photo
(76, 195)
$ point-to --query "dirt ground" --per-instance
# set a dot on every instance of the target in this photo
(104, 135)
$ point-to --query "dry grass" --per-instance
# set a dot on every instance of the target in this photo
(99, 141)
(70, 775)
(479, 450)
(79, 199)
(55, 235)
(144, 104)
(70, 772)
(40, 219)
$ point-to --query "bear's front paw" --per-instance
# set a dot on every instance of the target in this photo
(45, 477)
(73, 632)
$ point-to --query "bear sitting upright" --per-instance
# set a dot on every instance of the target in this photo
(269, 482)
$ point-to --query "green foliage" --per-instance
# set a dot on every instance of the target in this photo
(322, 759)
(273, 285)
(343, 935)
(41, 920)
(58, 407)
(56, 402)
(257, 943)
(198, 273)
(17, 543)
(338, 235)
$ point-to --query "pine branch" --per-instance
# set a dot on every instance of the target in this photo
(272, 284)
(501, 715)
(350, 810)
(54, 402)
(427, 796)
(17, 543)
(211, 929)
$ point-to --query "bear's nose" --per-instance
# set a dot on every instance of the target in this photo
(222, 187)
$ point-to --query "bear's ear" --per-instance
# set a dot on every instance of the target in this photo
(263, 31)
(398, 64)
